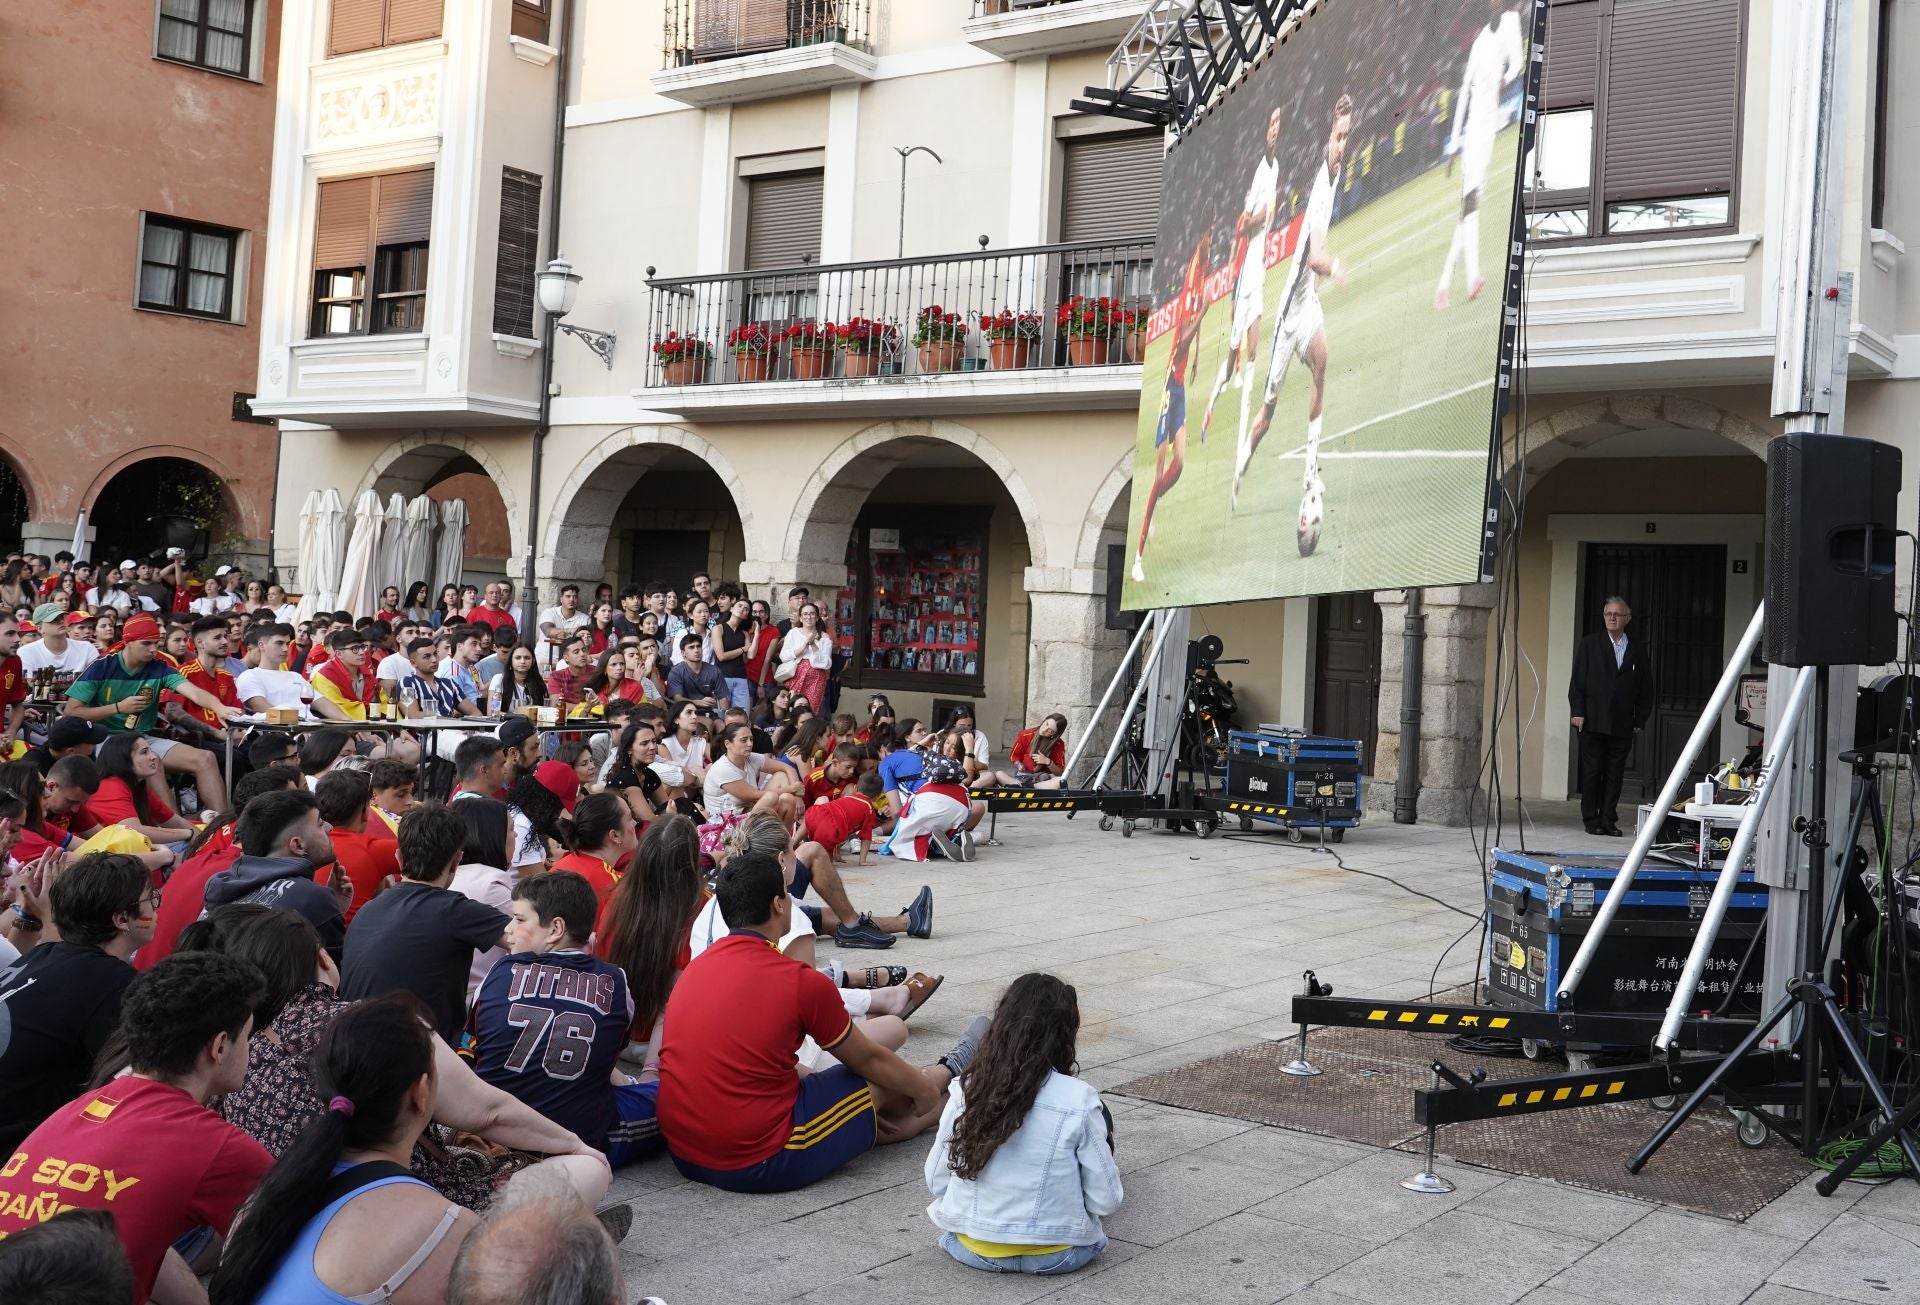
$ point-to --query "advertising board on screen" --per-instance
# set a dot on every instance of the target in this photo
(1324, 369)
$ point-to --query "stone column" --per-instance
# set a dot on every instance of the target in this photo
(1452, 673)
(771, 580)
(1071, 655)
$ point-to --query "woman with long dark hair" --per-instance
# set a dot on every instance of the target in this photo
(519, 685)
(128, 765)
(808, 649)
(600, 633)
(1022, 1169)
(610, 680)
(447, 610)
(600, 838)
(417, 609)
(339, 1215)
(644, 927)
(485, 872)
(762, 638)
(773, 711)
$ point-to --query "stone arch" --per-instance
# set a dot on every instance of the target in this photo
(1088, 553)
(409, 465)
(831, 499)
(1553, 439)
(600, 482)
(28, 475)
(248, 510)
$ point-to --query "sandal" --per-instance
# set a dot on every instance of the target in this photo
(919, 988)
(885, 976)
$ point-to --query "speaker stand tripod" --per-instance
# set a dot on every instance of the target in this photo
(1820, 1014)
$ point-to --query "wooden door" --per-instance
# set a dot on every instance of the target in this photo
(1678, 595)
(1346, 671)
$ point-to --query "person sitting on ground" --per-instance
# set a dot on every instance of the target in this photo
(539, 1250)
(1039, 756)
(977, 753)
(36, 832)
(175, 1165)
(419, 935)
(696, 680)
(642, 778)
(339, 1216)
(284, 846)
(938, 815)
(278, 1098)
(66, 737)
(600, 836)
(542, 799)
(738, 781)
(1023, 1176)
(129, 768)
(578, 757)
(368, 860)
(73, 1258)
(184, 899)
(813, 867)
(551, 1019)
(393, 784)
(831, 822)
(834, 776)
(646, 922)
(62, 998)
(734, 1109)
(484, 875)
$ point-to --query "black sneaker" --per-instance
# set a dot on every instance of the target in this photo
(967, 845)
(919, 913)
(960, 1055)
(945, 846)
(862, 933)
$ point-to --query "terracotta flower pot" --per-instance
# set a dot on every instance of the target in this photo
(1009, 353)
(1086, 350)
(683, 371)
(811, 362)
(941, 355)
(1136, 346)
(750, 366)
(863, 362)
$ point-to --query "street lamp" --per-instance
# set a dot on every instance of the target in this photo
(559, 287)
(906, 152)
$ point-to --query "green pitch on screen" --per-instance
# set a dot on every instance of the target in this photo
(1410, 386)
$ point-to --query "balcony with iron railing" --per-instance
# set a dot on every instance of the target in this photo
(729, 51)
(1045, 326)
(1019, 29)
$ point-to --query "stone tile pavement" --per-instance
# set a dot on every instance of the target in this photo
(1182, 949)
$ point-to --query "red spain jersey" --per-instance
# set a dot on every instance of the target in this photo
(218, 682)
(819, 786)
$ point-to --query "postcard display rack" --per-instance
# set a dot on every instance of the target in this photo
(924, 594)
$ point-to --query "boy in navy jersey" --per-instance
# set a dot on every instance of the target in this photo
(551, 1018)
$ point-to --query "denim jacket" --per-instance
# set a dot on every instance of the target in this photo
(1050, 1183)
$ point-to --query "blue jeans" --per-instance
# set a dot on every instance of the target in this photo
(740, 691)
(1066, 1261)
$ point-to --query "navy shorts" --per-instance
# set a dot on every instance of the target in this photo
(1173, 411)
(636, 1130)
(833, 1123)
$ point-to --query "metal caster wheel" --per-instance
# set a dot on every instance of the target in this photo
(1295, 835)
(1752, 1130)
(1246, 824)
(1205, 829)
(1532, 1048)
(1579, 1062)
(1106, 824)
(1126, 829)
(1666, 1105)
(1337, 836)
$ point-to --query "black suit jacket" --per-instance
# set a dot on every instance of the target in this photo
(1613, 699)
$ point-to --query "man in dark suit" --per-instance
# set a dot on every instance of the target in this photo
(1612, 697)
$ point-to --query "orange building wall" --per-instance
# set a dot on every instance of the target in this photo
(93, 130)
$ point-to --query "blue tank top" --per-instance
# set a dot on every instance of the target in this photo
(297, 1284)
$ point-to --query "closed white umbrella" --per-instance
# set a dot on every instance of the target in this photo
(393, 546)
(359, 588)
(79, 548)
(450, 558)
(416, 561)
(329, 550)
(307, 562)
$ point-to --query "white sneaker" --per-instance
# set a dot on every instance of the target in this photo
(1139, 570)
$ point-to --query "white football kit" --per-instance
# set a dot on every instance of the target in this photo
(1498, 56)
(1301, 316)
(1263, 195)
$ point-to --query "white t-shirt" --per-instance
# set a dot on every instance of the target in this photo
(212, 606)
(394, 666)
(118, 599)
(821, 654)
(36, 657)
(279, 688)
(691, 756)
(564, 624)
(1303, 285)
(489, 886)
(709, 926)
(287, 613)
(718, 801)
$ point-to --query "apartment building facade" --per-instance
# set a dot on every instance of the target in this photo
(732, 165)
(137, 139)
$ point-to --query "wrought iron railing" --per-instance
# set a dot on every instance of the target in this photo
(987, 8)
(702, 30)
(1081, 305)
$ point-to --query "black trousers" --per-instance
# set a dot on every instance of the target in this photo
(1603, 761)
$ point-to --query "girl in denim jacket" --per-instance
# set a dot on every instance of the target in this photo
(1022, 1170)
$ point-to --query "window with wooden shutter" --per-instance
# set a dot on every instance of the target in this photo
(517, 254)
(1110, 187)
(1641, 129)
(783, 219)
(530, 19)
(355, 25)
(370, 245)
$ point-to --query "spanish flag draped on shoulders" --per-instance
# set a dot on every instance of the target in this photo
(345, 679)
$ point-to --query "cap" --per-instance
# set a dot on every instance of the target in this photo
(225, 570)
(71, 732)
(80, 618)
(28, 627)
(515, 730)
(559, 779)
(129, 565)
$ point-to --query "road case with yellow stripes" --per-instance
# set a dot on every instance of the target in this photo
(1302, 782)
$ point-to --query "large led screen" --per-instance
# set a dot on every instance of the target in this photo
(1322, 377)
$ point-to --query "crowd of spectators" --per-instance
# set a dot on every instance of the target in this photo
(332, 967)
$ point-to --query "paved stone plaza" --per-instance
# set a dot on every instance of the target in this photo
(1182, 949)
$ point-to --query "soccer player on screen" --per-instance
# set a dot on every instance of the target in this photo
(1250, 290)
(1170, 435)
(1301, 332)
(1497, 57)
